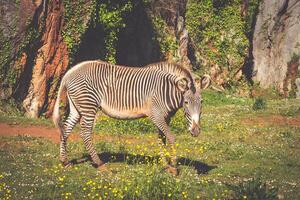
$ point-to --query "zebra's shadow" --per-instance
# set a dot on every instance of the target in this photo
(131, 159)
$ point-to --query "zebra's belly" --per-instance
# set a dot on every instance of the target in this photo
(124, 114)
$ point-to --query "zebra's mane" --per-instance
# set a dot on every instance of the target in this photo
(175, 69)
(172, 68)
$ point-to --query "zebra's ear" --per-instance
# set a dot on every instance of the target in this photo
(203, 82)
(182, 84)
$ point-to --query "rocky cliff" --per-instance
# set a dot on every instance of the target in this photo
(276, 45)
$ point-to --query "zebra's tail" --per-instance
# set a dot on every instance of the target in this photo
(55, 115)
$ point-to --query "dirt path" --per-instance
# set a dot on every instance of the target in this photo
(277, 120)
(52, 134)
(35, 131)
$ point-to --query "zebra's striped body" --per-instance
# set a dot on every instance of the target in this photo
(121, 92)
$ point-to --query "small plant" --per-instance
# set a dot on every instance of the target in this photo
(290, 112)
(255, 189)
(259, 104)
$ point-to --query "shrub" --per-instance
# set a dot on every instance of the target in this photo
(255, 189)
(259, 104)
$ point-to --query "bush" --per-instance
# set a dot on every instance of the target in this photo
(259, 104)
(255, 189)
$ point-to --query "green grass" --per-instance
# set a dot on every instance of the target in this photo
(21, 120)
(235, 157)
(11, 115)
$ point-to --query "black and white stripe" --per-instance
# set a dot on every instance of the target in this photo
(120, 92)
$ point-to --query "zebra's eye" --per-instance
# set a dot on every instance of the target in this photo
(201, 100)
(186, 102)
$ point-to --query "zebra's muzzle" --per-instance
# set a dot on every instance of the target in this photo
(195, 129)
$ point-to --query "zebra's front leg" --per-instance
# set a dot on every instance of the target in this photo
(169, 150)
(86, 134)
(162, 145)
(170, 155)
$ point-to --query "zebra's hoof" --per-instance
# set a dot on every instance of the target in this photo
(66, 164)
(171, 170)
(103, 169)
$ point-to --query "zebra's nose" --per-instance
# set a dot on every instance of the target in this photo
(195, 130)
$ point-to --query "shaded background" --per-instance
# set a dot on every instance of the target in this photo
(245, 45)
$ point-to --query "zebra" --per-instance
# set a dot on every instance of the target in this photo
(156, 91)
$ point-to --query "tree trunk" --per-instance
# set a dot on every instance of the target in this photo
(51, 62)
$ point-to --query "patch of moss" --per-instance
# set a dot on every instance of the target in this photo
(76, 17)
(112, 17)
(220, 33)
(167, 41)
(293, 66)
(13, 47)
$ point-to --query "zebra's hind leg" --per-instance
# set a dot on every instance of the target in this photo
(67, 129)
(87, 123)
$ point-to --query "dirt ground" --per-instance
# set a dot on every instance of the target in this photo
(52, 134)
(277, 120)
(35, 131)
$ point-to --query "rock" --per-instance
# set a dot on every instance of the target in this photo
(276, 41)
(8, 11)
(297, 82)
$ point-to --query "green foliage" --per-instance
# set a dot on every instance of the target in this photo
(255, 189)
(220, 32)
(253, 9)
(5, 52)
(293, 65)
(291, 111)
(8, 109)
(80, 15)
(167, 42)
(259, 104)
(76, 18)
(12, 49)
(111, 16)
(7, 45)
(211, 98)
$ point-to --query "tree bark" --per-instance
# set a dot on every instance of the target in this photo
(50, 63)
